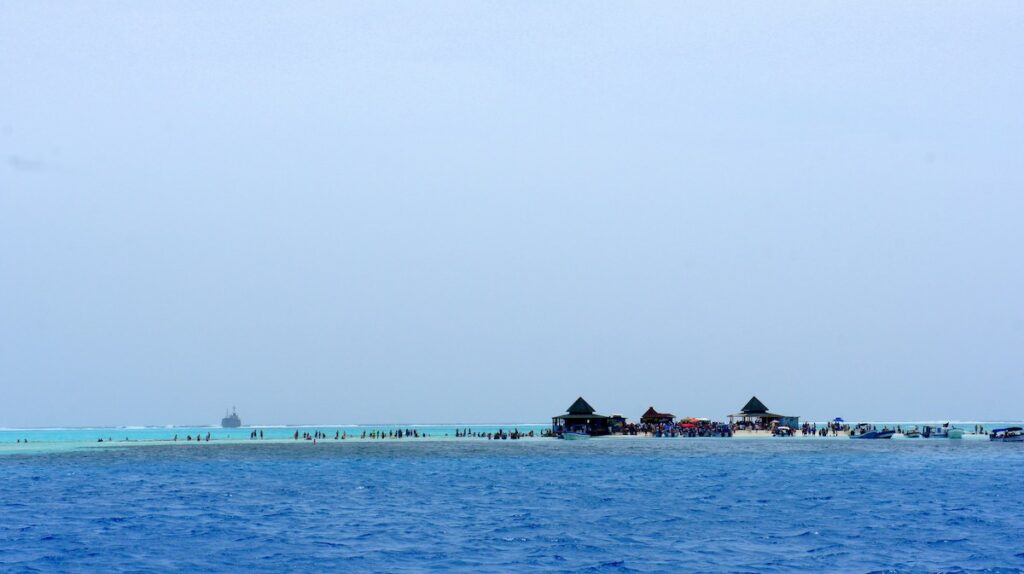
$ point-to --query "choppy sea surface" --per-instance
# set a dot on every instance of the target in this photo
(603, 505)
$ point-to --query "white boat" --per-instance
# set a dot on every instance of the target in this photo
(944, 431)
(572, 435)
(783, 431)
(867, 431)
(1011, 434)
(912, 433)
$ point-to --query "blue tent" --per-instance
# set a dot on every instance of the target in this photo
(838, 420)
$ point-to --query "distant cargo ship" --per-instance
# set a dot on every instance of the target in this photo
(231, 421)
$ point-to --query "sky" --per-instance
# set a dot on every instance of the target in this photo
(408, 211)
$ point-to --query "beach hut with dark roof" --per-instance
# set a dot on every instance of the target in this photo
(756, 412)
(653, 417)
(580, 417)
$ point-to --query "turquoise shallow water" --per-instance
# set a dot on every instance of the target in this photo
(56, 439)
(604, 505)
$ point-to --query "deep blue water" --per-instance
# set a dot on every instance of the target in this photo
(616, 505)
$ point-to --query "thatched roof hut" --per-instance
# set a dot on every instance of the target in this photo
(754, 406)
(654, 417)
(580, 416)
(755, 410)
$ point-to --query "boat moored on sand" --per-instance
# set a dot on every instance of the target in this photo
(866, 431)
(944, 431)
(1009, 434)
(783, 431)
(912, 433)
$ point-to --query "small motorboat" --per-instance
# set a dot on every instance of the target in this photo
(866, 431)
(574, 435)
(912, 433)
(944, 431)
(1010, 434)
(783, 431)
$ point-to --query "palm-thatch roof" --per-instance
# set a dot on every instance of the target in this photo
(754, 407)
(652, 414)
(580, 410)
(580, 407)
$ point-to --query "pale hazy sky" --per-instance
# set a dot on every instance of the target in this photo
(425, 211)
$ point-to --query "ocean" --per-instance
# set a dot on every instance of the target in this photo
(603, 505)
(86, 437)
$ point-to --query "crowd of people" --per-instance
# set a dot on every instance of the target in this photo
(500, 435)
(381, 434)
(828, 429)
(687, 428)
(668, 428)
(754, 425)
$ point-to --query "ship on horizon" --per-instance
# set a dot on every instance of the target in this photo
(231, 421)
